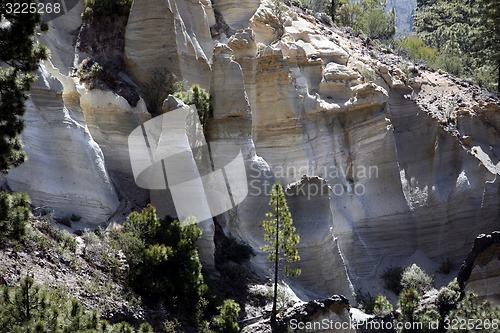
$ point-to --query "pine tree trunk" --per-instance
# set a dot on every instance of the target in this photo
(276, 261)
(332, 11)
(498, 77)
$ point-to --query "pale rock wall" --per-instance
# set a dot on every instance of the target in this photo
(399, 183)
(65, 170)
(110, 120)
(485, 277)
(237, 13)
(60, 38)
(480, 271)
(169, 34)
(323, 268)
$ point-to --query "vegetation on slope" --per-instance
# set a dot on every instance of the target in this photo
(367, 16)
(30, 307)
(448, 309)
(19, 57)
(459, 37)
(152, 259)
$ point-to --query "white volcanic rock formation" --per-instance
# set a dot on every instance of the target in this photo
(110, 120)
(65, 170)
(236, 13)
(172, 35)
(408, 173)
(480, 272)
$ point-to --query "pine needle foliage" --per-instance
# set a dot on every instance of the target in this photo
(282, 240)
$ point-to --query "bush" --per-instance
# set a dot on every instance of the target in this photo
(101, 250)
(163, 258)
(445, 267)
(227, 320)
(448, 311)
(161, 84)
(95, 74)
(450, 62)
(278, 10)
(377, 24)
(200, 98)
(14, 214)
(105, 8)
(474, 310)
(30, 307)
(392, 279)
(408, 303)
(448, 297)
(416, 50)
(367, 16)
(366, 302)
(382, 306)
(65, 239)
(414, 277)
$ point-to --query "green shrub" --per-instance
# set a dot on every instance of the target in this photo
(445, 266)
(227, 320)
(392, 279)
(382, 306)
(427, 316)
(278, 10)
(102, 251)
(30, 307)
(367, 16)
(105, 8)
(93, 73)
(163, 258)
(14, 214)
(415, 277)
(161, 84)
(62, 237)
(450, 62)
(366, 302)
(377, 24)
(447, 310)
(416, 50)
(448, 297)
(408, 303)
(198, 97)
(474, 310)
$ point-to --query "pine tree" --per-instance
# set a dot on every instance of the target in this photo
(466, 34)
(19, 57)
(489, 11)
(14, 213)
(282, 240)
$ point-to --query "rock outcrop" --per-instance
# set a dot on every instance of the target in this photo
(480, 272)
(327, 316)
(66, 170)
(172, 35)
(410, 162)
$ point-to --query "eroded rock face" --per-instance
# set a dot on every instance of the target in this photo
(314, 314)
(480, 272)
(236, 13)
(402, 174)
(110, 120)
(66, 169)
(320, 258)
(172, 35)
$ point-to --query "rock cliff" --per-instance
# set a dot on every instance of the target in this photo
(382, 166)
